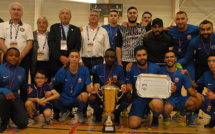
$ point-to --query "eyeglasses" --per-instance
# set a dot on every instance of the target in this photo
(40, 78)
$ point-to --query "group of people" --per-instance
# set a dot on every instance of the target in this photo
(62, 61)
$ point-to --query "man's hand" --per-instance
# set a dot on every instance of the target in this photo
(29, 90)
(173, 88)
(41, 102)
(10, 96)
(167, 28)
(64, 59)
(183, 71)
(144, 24)
(125, 24)
(210, 95)
(81, 28)
(95, 89)
(125, 89)
(200, 97)
(128, 66)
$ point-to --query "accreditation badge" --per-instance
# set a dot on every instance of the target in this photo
(14, 44)
(63, 45)
(90, 46)
(40, 55)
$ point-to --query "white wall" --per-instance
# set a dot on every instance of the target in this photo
(80, 11)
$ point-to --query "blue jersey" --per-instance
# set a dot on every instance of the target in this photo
(19, 82)
(72, 82)
(111, 37)
(131, 76)
(179, 80)
(39, 92)
(185, 38)
(202, 50)
(117, 73)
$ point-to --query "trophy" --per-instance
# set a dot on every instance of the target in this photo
(109, 98)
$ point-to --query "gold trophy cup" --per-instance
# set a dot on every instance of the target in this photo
(109, 98)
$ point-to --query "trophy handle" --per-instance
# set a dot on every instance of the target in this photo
(120, 90)
(98, 85)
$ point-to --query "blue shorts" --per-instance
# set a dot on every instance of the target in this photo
(41, 108)
(139, 106)
(178, 103)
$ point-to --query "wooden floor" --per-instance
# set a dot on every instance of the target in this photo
(89, 127)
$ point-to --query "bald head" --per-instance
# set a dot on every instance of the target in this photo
(16, 11)
(65, 16)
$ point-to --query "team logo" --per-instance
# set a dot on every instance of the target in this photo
(22, 29)
(115, 77)
(189, 37)
(79, 80)
(176, 79)
(19, 77)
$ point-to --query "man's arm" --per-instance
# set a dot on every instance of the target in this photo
(118, 39)
(26, 50)
(119, 55)
(3, 47)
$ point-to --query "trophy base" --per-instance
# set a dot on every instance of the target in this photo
(108, 129)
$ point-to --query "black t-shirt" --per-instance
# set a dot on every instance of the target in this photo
(157, 47)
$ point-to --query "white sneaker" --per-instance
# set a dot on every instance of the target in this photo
(47, 120)
(81, 117)
(30, 121)
(63, 116)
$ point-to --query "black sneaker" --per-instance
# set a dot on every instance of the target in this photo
(3, 128)
(155, 122)
(211, 124)
(56, 116)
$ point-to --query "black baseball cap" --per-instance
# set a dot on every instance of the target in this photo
(157, 20)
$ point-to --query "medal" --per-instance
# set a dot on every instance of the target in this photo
(179, 50)
(209, 108)
(111, 43)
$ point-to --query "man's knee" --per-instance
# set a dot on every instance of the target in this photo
(168, 109)
(48, 94)
(134, 122)
(84, 97)
(128, 98)
(93, 99)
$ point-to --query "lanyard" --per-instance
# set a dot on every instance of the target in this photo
(44, 41)
(94, 36)
(108, 75)
(139, 70)
(10, 84)
(132, 31)
(61, 32)
(39, 96)
(112, 36)
(179, 40)
(11, 31)
(72, 83)
(205, 47)
(173, 76)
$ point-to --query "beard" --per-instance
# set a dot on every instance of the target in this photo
(209, 35)
(141, 64)
(169, 66)
(157, 35)
(132, 21)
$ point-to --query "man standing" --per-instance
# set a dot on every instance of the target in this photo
(94, 42)
(182, 34)
(157, 42)
(139, 105)
(15, 33)
(112, 27)
(63, 37)
(176, 101)
(146, 20)
(127, 38)
(40, 55)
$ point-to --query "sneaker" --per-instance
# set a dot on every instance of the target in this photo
(30, 121)
(211, 124)
(181, 120)
(166, 120)
(190, 121)
(175, 117)
(12, 125)
(47, 120)
(63, 116)
(80, 117)
(155, 122)
(3, 128)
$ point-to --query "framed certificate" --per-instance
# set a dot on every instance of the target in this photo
(153, 86)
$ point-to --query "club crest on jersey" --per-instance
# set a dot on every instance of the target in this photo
(115, 77)
(19, 77)
(189, 37)
(176, 79)
(22, 29)
(79, 80)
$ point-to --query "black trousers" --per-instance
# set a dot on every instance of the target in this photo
(14, 110)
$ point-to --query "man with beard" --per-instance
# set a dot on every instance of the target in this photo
(177, 102)
(139, 105)
(157, 42)
(115, 73)
(127, 38)
(182, 34)
(146, 20)
(203, 44)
